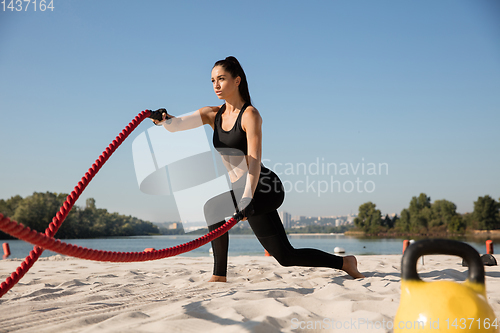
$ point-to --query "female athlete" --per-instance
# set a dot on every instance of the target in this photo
(256, 192)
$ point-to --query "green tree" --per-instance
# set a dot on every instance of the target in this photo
(395, 220)
(443, 212)
(386, 221)
(8, 207)
(369, 218)
(486, 213)
(403, 224)
(101, 224)
(468, 220)
(420, 213)
(457, 225)
(389, 223)
(37, 211)
(90, 204)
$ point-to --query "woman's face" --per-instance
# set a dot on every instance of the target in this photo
(225, 86)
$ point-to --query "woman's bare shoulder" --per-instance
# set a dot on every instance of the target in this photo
(251, 118)
(207, 110)
(251, 113)
(208, 114)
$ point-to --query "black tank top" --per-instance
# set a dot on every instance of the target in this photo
(234, 141)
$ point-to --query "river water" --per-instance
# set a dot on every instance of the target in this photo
(238, 244)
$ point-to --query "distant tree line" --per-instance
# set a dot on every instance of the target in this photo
(424, 217)
(166, 228)
(36, 211)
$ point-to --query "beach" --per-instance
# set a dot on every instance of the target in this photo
(62, 294)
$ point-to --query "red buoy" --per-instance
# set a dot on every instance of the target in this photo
(489, 246)
(406, 243)
(6, 250)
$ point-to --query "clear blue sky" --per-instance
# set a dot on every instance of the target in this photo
(413, 84)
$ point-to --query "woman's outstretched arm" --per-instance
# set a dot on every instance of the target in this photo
(203, 116)
(252, 125)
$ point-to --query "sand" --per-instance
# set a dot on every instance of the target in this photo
(61, 294)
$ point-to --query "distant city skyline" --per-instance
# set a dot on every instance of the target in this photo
(286, 219)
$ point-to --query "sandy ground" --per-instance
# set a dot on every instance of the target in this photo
(61, 294)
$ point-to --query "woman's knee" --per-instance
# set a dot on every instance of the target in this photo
(208, 208)
(210, 211)
(285, 259)
(218, 208)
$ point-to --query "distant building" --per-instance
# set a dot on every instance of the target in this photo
(350, 218)
(286, 219)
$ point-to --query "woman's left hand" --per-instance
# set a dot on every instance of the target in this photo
(245, 207)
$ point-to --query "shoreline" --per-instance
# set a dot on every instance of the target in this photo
(352, 233)
(316, 234)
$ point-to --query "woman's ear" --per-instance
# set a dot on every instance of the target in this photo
(238, 81)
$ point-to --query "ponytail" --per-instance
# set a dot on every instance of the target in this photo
(232, 65)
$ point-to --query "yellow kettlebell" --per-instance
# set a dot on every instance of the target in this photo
(443, 306)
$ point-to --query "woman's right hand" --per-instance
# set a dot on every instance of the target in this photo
(159, 116)
(182, 123)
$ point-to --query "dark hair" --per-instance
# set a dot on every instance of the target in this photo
(232, 65)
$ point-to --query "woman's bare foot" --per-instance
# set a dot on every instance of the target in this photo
(350, 266)
(217, 278)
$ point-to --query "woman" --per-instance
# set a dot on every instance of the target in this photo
(256, 191)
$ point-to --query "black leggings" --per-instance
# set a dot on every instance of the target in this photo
(265, 223)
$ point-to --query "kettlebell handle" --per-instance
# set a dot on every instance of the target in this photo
(441, 246)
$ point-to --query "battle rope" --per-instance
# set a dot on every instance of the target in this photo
(47, 241)
(24, 233)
